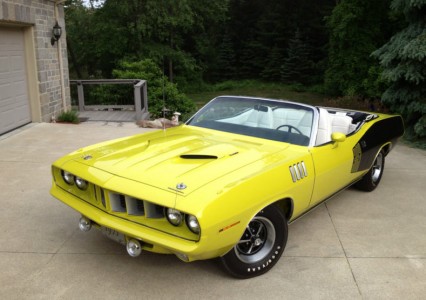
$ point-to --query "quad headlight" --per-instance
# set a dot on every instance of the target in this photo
(174, 216)
(81, 183)
(68, 177)
(192, 223)
(71, 179)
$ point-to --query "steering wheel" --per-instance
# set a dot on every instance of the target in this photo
(290, 128)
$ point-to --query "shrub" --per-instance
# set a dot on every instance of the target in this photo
(70, 116)
(161, 92)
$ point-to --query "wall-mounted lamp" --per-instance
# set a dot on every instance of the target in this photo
(56, 32)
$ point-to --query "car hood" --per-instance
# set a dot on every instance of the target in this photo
(180, 160)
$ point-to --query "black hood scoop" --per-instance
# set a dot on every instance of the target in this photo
(198, 156)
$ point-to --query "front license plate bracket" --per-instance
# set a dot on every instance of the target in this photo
(114, 235)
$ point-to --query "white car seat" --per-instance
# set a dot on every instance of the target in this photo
(324, 127)
(340, 123)
(260, 118)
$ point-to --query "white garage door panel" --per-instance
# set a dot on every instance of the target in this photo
(14, 103)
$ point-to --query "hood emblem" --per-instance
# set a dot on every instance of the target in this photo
(87, 157)
(181, 186)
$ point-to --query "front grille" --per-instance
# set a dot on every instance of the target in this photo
(134, 207)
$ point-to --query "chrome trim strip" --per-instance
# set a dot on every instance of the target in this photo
(304, 169)
(296, 169)
(293, 174)
(302, 174)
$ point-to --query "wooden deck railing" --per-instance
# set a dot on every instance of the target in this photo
(139, 91)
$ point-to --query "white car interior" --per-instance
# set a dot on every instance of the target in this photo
(268, 118)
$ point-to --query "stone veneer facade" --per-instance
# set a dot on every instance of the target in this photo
(37, 18)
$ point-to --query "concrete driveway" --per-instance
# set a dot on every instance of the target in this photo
(356, 246)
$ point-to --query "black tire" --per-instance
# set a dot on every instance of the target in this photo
(260, 246)
(372, 178)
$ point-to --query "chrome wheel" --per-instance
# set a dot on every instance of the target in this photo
(376, 171)
(260, 246)
(372, 178)
(257, 240)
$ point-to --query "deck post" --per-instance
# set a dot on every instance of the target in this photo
(145, 96)
(138, 103)
(80, 93)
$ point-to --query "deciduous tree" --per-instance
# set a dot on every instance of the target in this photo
(356, 30)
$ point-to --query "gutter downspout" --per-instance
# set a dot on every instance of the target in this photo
(64, 103)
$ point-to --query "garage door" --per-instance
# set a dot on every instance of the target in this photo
(14, 103)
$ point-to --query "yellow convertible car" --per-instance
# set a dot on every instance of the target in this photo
(227, 182)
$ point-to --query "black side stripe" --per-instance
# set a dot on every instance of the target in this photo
(380, 133)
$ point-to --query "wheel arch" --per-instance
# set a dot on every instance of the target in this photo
(387, 148)
(269, 243)
(287, 206)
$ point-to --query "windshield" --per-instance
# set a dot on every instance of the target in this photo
(268, 119)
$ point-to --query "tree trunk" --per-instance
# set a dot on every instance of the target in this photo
(170, 60)
(74, 60)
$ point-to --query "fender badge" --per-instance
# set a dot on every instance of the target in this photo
(181, 186)
(87, 157)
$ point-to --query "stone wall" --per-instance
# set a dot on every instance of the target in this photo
(41, 16)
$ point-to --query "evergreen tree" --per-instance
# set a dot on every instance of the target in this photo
(225, 67)
(252, 59)
(404, 61)
(241, 26)
(261, 31)
(297, 67)
(269, 29)
(272, 70)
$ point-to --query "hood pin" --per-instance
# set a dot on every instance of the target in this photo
(181, 186)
